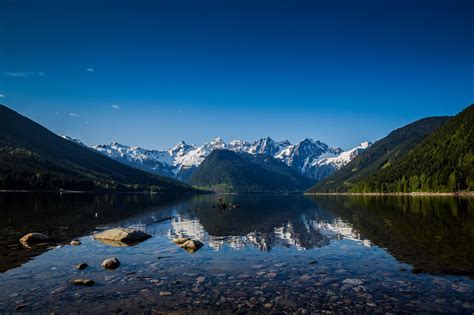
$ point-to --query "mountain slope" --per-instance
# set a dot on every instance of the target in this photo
(274, 165)
(225, 170)
(443, 162)
(381, 154)
(32, 157)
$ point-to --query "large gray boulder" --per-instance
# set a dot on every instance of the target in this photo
(122, 237)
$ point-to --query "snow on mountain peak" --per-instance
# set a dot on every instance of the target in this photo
(216, 143)
(265, 146)
(310, 157)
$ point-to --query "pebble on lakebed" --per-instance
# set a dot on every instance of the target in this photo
(111, 263)
(82, 266)
(188, 244)
(121, 237)
(33, 238)
(84, 282)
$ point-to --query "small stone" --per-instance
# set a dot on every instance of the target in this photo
(165, 293)
(461, 287)
(20, 306)
(271, 275)
(268, 305)
(181, 240)
(305, 277)
(467, 305)
(111, 263)
(88, 282)
(82, 266)
(353, 281)
(200, 279)
(191, 246)
(75, 243)
(84, 282)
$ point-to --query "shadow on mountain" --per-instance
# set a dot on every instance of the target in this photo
(434, 234)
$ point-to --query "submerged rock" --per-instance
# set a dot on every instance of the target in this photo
(82, 266)
(75, 243)
(33, 238)
(84, 282)
(188, 244)
(122, 237)
(111, 263)
(20, 306)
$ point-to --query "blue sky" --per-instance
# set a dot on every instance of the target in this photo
(152, 73)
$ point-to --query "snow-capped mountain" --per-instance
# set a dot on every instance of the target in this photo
(311, 158)
(304, 154)
(267, 146)
(326, 166)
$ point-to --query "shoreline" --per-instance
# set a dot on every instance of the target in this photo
(412, 194)
(102, 192)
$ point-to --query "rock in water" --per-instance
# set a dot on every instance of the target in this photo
(75, 243)
(82, 266)
(188, 244)
(122, 237)
(33, 238)
(111, 263)
(84, 282)
(181, 240)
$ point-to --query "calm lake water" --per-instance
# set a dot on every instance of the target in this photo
(273, 254)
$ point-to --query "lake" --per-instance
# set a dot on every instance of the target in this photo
(287, 253)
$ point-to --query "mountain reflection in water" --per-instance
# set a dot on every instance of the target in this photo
(261, 221)
(433, 234)
(273, 253)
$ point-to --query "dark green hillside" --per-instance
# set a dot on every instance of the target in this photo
(32, 157)
(381, 154)
(274, 165)
(227, 171)
(443, 162)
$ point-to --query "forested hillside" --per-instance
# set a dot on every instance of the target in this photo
(382, 154)
(34, 158)
(443, 162)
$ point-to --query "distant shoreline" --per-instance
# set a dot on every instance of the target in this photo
(100, 192)
(413, 194)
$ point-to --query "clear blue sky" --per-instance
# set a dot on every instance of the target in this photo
(338, 71)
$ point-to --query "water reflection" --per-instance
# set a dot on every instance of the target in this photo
(262, 221)
(65, 217)
(435, 235)
(274, 253)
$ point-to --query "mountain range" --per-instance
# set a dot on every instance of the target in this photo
(311, 158)
(434, 154)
